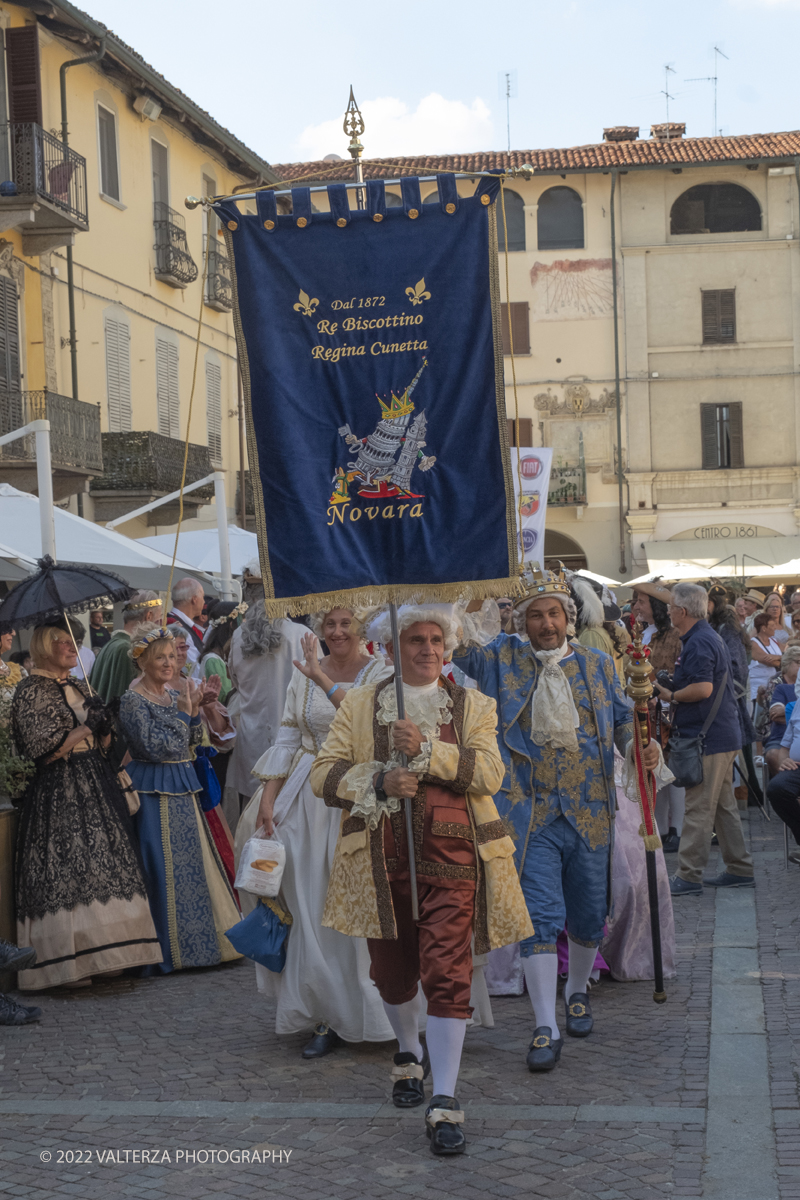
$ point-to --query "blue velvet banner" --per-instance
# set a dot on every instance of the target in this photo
(373, 372)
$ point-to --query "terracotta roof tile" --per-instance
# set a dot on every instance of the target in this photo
(601, 157)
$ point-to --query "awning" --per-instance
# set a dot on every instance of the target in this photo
(80, 541)
(723, 557)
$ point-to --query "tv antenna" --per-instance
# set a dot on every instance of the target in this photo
(507, 88)
(712, 79)
(668, 70)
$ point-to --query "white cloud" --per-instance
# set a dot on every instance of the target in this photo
(436, 126)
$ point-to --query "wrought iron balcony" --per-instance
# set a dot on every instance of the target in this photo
(41, 165)
(219, 290)
(174, 263)
(567, 487)
(74, 429)
(140, 466)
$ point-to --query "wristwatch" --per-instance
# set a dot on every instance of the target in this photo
(379, 789)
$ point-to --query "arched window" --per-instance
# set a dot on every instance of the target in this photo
(432, 197)
(393, 200)
(515, 215)
(560, 219)
(715, 208)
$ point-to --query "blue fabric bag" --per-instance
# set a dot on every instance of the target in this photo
(261, 935)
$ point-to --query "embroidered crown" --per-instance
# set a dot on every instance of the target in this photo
(398, 406)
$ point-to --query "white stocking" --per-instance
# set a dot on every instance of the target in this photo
(445, 1039)
(581, 961)
(541, 978)
(404, 1020)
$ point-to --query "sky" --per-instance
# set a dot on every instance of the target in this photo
(429, 76)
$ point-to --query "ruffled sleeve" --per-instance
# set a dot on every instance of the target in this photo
(276, 762)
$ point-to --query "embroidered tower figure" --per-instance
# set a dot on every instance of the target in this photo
(377, 466)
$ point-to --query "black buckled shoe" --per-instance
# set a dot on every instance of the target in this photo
(544, 1052)
(323, 1041)
(16, 958)
(579, 1015)
(443, 1121)
(408, 1074)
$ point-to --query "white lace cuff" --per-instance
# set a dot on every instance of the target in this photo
(630, 777)
(478, 628)
(358, 782)
(421, 764)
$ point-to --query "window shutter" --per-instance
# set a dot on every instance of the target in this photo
(719, 316)
(9, 336)
(727, 316)
(167, 394)
(109, 173)
(520, 327)
(24, 78)
(736, 435)
(118, 375)
(708, 429)
(710, 316)
(525, 431)
(214, 409)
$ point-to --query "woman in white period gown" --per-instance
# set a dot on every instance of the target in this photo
(325, 985)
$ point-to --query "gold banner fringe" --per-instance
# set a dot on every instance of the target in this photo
(396, 593)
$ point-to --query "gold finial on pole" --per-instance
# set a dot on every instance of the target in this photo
(354, 127)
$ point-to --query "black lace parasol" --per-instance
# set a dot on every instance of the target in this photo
(60, 588)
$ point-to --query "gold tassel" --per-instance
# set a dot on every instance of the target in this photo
(652, 841)
(411, 593)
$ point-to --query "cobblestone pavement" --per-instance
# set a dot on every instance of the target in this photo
(187, 1065)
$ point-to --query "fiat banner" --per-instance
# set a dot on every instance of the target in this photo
(531, 483)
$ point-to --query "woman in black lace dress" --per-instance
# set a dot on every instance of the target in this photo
(81, 898)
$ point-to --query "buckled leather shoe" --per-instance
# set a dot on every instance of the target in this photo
(16, 958)
(323, 1041)
(544, 1052)
(579, 1015)
(443, 1121)
(408, 1074)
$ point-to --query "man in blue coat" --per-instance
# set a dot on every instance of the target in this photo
(561, 711)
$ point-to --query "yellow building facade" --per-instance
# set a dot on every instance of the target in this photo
(136, 148)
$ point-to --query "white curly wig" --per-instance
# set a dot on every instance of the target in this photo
(568, 603)
(360, 616)
(413, 614)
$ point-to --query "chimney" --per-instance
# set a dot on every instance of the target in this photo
(621, 133)
(671, 132)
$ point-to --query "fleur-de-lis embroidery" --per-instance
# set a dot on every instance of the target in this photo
(305, 305)
(417, 294)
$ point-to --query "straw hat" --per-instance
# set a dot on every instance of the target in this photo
(756, 597)
(656, 589)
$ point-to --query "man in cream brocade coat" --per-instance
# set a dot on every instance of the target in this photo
(467, 881)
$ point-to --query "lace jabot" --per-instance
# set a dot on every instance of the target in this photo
(429, 707)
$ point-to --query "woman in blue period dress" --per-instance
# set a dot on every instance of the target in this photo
(325, 985)
(190, 897)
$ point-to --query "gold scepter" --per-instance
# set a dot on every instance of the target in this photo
(640, 689)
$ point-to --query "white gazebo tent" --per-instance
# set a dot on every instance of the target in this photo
(80, 541)
(200, 547)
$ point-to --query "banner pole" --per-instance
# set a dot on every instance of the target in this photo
(408, 803)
